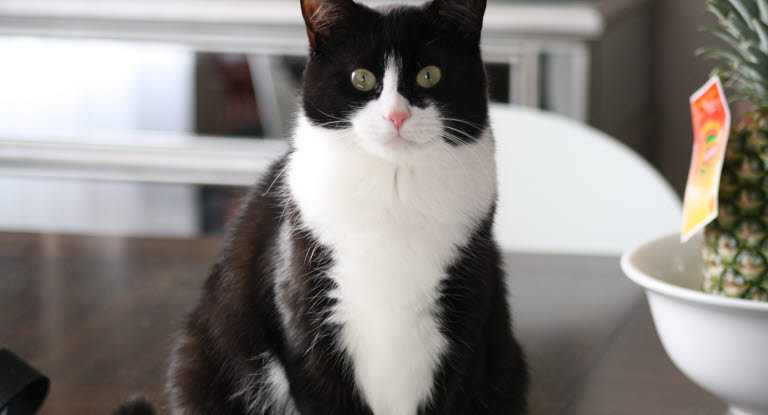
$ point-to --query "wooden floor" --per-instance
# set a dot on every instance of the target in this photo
(98, 316)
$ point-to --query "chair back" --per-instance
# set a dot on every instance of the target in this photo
(565, 187)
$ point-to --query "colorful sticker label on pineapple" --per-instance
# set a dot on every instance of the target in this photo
(711, 126)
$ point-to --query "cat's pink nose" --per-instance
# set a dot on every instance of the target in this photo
(398, 118)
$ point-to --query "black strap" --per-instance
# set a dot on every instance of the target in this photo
(22, 388)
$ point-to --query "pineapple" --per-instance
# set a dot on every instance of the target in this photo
(735, 251)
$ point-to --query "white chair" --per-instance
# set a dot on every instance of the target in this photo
(565, 187)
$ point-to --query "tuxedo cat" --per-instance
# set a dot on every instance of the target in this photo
(362, 276)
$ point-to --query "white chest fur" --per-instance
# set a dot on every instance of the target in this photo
(393, 229)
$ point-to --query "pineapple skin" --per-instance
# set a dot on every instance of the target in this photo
(735, 251)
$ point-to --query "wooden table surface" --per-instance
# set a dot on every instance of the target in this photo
(98, 315)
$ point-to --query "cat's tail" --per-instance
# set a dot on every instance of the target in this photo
(136, 405)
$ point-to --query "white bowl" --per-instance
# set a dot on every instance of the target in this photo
(719, 343)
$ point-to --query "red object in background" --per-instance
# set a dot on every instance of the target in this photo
(225, 98)
(225, 104)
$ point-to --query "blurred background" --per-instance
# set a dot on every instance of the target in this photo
(151, 117)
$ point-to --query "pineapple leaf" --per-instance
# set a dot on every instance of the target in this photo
(762, 32)
(761, 58)
(762, 5)
(743, 31)
(755, 71)
(757, 88)
(746, 9)
(715, 52)
(719, 12)
(744, 86)
(725, 9)
(744, 61)
(724, 35)
(753, 90)
(746, 52)
(727, 57)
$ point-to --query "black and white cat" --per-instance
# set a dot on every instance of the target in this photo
(362, 276)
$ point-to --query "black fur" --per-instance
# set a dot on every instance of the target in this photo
(239, 327)
(238, 319)
(136, 405)
(433, 34)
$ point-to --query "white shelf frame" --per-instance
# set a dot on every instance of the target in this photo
(250, 26)
(514, 33)
(141, 157)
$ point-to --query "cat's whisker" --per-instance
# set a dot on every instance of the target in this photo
(312, 255)
(465, 145)
(469, 141)
(333, 124)
(464, 133)
(472, 124)
(432, 41)
(453, 139)
(444, 147)
(328, 115)
(279, 174)
(288, 200)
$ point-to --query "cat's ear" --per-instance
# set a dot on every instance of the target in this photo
(465, 16)
(326, 18)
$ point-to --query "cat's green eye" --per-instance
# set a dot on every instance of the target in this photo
(429, 76)
(363, 80)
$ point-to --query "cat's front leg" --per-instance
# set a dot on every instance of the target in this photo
(504, 387)
(320, 382)
(195, 384)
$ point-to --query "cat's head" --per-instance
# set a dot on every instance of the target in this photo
(399, 80)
